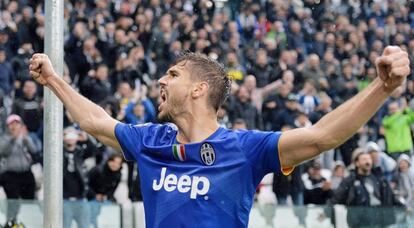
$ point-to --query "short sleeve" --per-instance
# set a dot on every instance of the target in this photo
(130, 138)
(261, 149)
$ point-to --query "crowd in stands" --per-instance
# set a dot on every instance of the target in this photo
(291, 63)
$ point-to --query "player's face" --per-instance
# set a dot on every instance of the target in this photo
(175, 92)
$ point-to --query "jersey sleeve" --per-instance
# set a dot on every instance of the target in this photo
(261, 149)
(130, 137)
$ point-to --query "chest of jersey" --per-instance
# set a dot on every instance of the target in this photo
(209, 176)
(211, 183)
(193, 171)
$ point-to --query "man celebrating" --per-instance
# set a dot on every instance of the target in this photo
(363, 191)
(195, 172)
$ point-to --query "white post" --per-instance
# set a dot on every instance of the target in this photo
(53, 121)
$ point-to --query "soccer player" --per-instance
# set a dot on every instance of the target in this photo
(195, 173)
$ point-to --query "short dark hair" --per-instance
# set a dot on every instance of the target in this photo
(207, 69)
(113, 156)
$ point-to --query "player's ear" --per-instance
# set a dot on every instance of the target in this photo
(200, 89)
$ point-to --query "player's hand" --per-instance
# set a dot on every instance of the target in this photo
(393, 66)
(41, 68)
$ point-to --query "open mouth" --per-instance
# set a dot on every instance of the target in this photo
(163, 96)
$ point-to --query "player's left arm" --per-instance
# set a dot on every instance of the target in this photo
(298, 145)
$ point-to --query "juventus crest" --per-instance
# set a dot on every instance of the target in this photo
(207, 154)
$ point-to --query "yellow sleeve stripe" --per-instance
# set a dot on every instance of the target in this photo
(285, 170)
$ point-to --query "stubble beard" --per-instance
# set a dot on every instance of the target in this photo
(365, 170)
(165, 117)
(174, 108)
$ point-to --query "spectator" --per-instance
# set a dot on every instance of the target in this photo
(17, 151)
(74, 181)
(382, 164)
(140, 109)
(96, 85)
(318, 189)
(234, 69)
(29, 107)
(302, 120)
(363, 188)
(262, 70)
(106, 42)
(347, 84)
(142, 64)
(277, 32)
(329, 60)
(397, 130)
(295, 37)
(319, 45)
(338, 174)
(323, 108)
(223, 117)
(346, 149)
(246, 22)
(239, 124)
(135, 113)
(19, 63)
(124, 71)
(243, 108)
(163, 36)
(8, 42)
(396, 96)
(6, 74)
(370, 76)
(312, 70)
(134, 182)
(288, 115)
(275, 103)
(73, 51)
(259, 94)
(403, 181)
(124, 94)
(308, 98)
(26, 27)
(103, 180)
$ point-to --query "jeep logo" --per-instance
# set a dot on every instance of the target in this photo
(196, 185)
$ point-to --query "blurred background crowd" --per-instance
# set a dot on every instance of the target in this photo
(291, 63)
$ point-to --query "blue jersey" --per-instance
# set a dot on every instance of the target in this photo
(206, 184)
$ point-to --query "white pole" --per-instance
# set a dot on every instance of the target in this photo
(53, 121)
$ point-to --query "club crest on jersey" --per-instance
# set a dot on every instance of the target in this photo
(178, 151)
(207, 154)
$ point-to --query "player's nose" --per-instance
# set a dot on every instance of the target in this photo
(163, 80)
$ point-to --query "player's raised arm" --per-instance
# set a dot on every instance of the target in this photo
(90, 117)
(301, 144)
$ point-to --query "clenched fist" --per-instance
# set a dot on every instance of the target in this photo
(41, 68)
(393, 66)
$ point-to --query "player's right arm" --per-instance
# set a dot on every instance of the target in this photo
(91, 118)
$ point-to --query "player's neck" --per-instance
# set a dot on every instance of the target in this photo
(196, 128)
